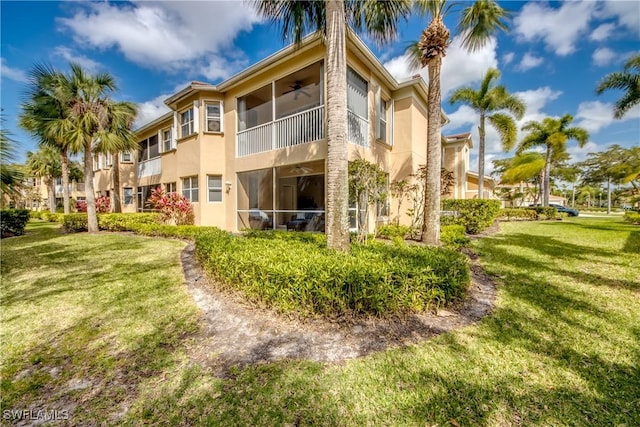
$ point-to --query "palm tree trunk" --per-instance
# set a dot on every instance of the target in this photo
(481, 132)
(337, 229)
(431, 211)
(547, 172)
(51, 194)
(92, 218)
(117, 203)
(64, 160)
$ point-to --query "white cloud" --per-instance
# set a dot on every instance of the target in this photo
(602, 32)
(627, 13)
(67, 54)
(151, 110)
(578, 154)
(529, 61)
(459, 67)
(12, 73)
(508, 57)
(167, 35)
(596, 115)
(559, 28)
(603, 56)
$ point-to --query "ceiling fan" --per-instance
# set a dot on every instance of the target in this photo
(296, 88)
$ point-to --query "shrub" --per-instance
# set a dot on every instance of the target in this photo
(81, 206)
(517, 214)
(547, 212)
(103, 204)
(174, 208)
(126, 221)
(475, 214)
(393, 230)
(453, 236)
(13, 221)
(35, 214)
(632, 217)
(75, 222)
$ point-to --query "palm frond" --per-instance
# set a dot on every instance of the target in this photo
(480, 22)
(506, 127)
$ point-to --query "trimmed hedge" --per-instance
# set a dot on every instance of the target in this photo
(13, 221)
(475, 215)
(296, 272)
(392, 231)
(632, 217)
(453, 236)
(77, 222)
(517, 214)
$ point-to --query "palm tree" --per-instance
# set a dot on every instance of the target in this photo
(118, 137)
(45, 164)
(551, 134)
(44, 106)
(479, 22)
(489, 102)
(379, 19)
(89, 121)
(628, 80)
(10, 176)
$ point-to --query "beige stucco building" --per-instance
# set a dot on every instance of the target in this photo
(251, 151)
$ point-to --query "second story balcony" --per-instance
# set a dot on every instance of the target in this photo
(291, 111)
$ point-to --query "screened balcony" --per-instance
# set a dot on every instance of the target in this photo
(291, 111)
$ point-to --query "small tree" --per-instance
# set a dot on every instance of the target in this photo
(174, 208)
(399, 191)
(367, 186)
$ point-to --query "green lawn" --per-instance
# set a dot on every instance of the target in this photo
(561, 348)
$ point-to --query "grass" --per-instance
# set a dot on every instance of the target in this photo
(561, 348)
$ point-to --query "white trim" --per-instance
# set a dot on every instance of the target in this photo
(221, 188)
(196, 116)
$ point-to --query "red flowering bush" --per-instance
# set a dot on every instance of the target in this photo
(103, 204)
(81, 206)
(173, 208)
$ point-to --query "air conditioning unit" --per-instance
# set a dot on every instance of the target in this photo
(213, 125)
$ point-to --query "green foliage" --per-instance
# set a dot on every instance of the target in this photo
(632, 217)
(474, 214)
(545, 212)
(392, 231)
(453, 236)
(35, 214)
(367, 186)
(74, 222)
(125, 222)
(13, 221)
(517, 214)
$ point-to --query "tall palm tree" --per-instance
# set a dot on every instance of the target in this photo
(89, 121)
(10, 175)
(552, 135)
(491, 102)
(627, 80)
(116, 138)
(44, 105)
(478, 23)
(379, 19)
(45, 164)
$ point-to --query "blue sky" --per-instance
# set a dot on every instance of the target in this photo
(553, 56)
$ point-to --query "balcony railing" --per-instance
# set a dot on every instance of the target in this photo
(358, 129)
(149, 167)
(300, 128)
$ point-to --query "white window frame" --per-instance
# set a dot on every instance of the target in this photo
(108, 160)
(189, 190)
(209, 118)
(170, 187)
(126, 157)
(167, 132)
(216, 189)
(383, 110)
(124, 196)
(190, 124)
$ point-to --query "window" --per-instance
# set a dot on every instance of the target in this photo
(190, 188)
(382, 120)
(214, 116)
(125, 157)
(167, 143)
(170, 187)
(186, 123)
(143, 195)
(357, 93)
(109, 159)
(255, 108)
(127, 193)
(383, 204)
(148, 149)
(96, 163)
(214, 185)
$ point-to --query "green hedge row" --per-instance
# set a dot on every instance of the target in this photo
(77, 222)
(475, 215)
(295, 272)
(13, 221)
(632, 217)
